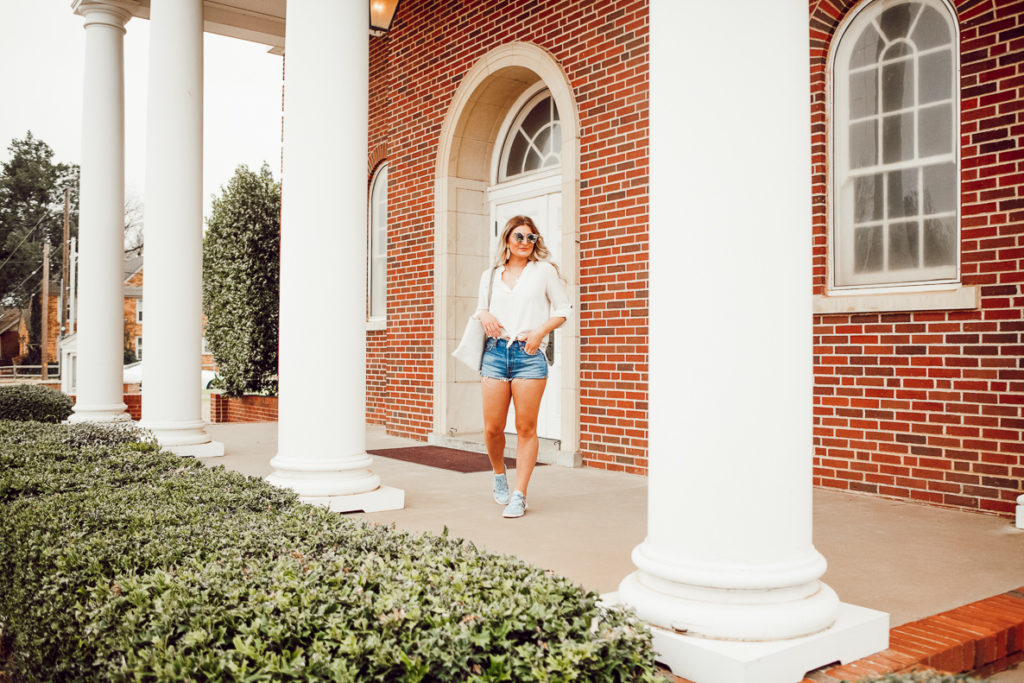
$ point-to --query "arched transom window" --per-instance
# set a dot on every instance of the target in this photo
(895, 146)
(534, 141)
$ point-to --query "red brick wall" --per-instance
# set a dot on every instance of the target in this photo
(930, 406)
(415, 71)
(242, 408)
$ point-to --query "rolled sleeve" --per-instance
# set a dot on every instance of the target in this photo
(557, 296)
(481, 302)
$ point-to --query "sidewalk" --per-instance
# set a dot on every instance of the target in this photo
(912, 561)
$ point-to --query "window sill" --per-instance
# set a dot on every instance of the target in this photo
(937, 300)
(376, 324)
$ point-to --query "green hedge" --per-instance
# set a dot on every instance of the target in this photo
(33, 402)
(123, 562)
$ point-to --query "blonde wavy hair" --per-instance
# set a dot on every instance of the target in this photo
(540, 251)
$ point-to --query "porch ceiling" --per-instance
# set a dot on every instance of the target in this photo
(258, 21)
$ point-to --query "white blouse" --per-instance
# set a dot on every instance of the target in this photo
(536, 297)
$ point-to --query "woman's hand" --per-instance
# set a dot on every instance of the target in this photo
(533, 339)
(492, 328)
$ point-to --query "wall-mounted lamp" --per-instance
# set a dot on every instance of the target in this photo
(382, 13)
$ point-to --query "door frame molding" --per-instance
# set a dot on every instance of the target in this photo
(479, 109)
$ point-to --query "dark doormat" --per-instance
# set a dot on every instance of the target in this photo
(451, 459)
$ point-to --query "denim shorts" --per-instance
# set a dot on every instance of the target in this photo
(507, 361)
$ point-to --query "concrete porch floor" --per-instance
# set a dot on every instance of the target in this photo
(910, 560)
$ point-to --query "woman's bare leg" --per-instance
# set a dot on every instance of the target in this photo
(527, 394)
(496, 395)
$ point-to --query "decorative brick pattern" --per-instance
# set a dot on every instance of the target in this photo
(930, 406)
(981, 638)
(225, 408)
(414, 73)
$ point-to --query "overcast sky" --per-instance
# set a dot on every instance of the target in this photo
(42, 46)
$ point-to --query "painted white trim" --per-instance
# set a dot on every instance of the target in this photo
(516, 115)
(545, 67)
(917, 299)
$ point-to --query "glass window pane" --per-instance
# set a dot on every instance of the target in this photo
(902, 188)
(533, 161)
(863, 144)
(863, 94)
(556, 140)
(936, 77)
(543, 141)
(554, 110)
(931, 30)
(895, 21)
(939, 242)
(939, 188)
(869, 198)
(538, 117)
(867, 249)
(514, 166)
(935, 130)
(903, 246)
(867, 49)
(898, 85)
(897, 138)
(897, 50)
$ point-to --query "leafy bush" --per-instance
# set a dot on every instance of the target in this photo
(241, 282)
(33, 402)
(123, 562)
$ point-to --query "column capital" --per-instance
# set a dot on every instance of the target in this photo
(113, 13)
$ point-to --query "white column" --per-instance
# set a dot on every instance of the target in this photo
(100, 395)
(728, 555)
(322, 386)
(172, 330)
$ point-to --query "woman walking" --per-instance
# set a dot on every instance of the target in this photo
(527, 302)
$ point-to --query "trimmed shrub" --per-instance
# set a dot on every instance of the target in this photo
(241, 282)
(33, 402)
(123, 562)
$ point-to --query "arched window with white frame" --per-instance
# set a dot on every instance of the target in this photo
(378, 246)
(895, 190)
(534, 141)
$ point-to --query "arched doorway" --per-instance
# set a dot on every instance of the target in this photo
(472, 193)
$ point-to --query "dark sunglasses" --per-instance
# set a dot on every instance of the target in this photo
(523, 237)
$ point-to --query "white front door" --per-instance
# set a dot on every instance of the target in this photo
(546, 212)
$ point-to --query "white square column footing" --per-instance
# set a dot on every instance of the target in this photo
(857, 632)
(380, 499)
(210, 449)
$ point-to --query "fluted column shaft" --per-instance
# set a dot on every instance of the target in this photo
(172, 331)
(322, 357)
(728, 552)
(101, 216)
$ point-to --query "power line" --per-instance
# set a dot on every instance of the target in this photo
(28, 233)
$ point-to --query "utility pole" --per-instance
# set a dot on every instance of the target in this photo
(65, 269)
(73, 285)
(44, 307)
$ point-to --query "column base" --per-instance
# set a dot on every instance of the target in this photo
(187, 439)
(210, 449)
(115, 413)
(379, 500)
(856, 633)
(324, 477)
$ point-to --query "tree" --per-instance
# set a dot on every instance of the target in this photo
(32, 212)
(241, 281)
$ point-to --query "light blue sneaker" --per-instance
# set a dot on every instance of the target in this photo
(500, 489)
(517, 506)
